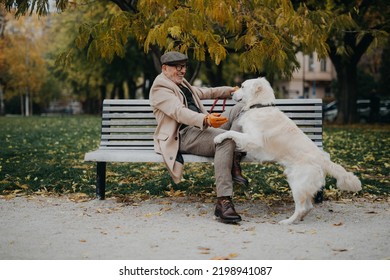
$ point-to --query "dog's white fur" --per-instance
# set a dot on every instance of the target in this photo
(269, 135)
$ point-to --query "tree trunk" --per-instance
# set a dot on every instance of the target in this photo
(347, 95)
(2, 106)
(132, 88)
(121, 91)
(346, 68)
(215, 77)
(113, 92)
(103, 91)
(103, 95)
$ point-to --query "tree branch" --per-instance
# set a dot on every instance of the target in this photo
(126, 5)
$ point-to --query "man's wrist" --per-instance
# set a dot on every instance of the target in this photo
(206, 122)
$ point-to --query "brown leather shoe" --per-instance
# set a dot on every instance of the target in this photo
(236, 170)
(225, 211)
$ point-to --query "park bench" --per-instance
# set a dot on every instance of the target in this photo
(128, 125)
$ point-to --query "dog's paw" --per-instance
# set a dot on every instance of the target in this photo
(219, 138)
(286, 222)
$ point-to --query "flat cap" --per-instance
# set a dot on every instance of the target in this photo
(173, 58)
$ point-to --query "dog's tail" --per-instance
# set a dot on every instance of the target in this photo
(346, 181)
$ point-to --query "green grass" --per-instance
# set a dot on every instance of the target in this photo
(44, 155)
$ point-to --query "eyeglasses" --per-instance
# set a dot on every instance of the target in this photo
(179, 67)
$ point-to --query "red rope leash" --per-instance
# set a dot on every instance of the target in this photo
(215, 103)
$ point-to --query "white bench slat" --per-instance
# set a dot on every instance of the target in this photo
(128, 108)
(141, 155)
(117, 115)
(309, 129)
(308, 122)
(128, 136)
(128, 122)
(303, 115)
(126, 143)
(125, 148)
(129, 130)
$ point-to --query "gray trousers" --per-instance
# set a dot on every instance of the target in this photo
(201, 142)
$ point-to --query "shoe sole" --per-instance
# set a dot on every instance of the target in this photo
(227, 221)
(240, 182)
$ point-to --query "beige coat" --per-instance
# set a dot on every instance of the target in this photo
(170, 110)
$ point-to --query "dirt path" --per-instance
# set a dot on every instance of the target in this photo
(54, 228)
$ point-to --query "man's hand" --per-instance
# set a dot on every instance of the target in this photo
(233, 90)
(215, 120)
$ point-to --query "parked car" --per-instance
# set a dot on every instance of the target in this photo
(363, 109)
(384, 111)
(330, 111)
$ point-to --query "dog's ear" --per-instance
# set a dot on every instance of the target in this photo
(258, 87)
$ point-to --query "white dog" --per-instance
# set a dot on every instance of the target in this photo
(269, 135)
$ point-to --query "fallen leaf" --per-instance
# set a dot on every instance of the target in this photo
(24, 186)
(233, 255)
(204, 248)
(219, 258)
(340, 250)
(148, 215)
(164, 202)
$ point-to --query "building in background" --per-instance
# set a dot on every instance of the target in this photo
(313, 80)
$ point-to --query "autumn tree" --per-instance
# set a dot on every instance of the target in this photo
(23, 67)
(93, 79)
(357, 26)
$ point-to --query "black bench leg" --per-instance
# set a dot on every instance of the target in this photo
(101, 180)
(319, 196)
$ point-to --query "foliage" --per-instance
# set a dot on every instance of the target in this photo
(21, 58)
(265, 33)
(45, 156)
(88, 75)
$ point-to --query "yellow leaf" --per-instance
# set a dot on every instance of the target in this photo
(233, 255)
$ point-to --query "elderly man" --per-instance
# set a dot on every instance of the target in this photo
(185, 127)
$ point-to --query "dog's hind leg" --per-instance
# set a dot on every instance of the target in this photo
(300, 210)
(308, 206)
(302, 188)
(303, 206)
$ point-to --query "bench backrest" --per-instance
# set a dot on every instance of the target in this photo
(130, 123)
